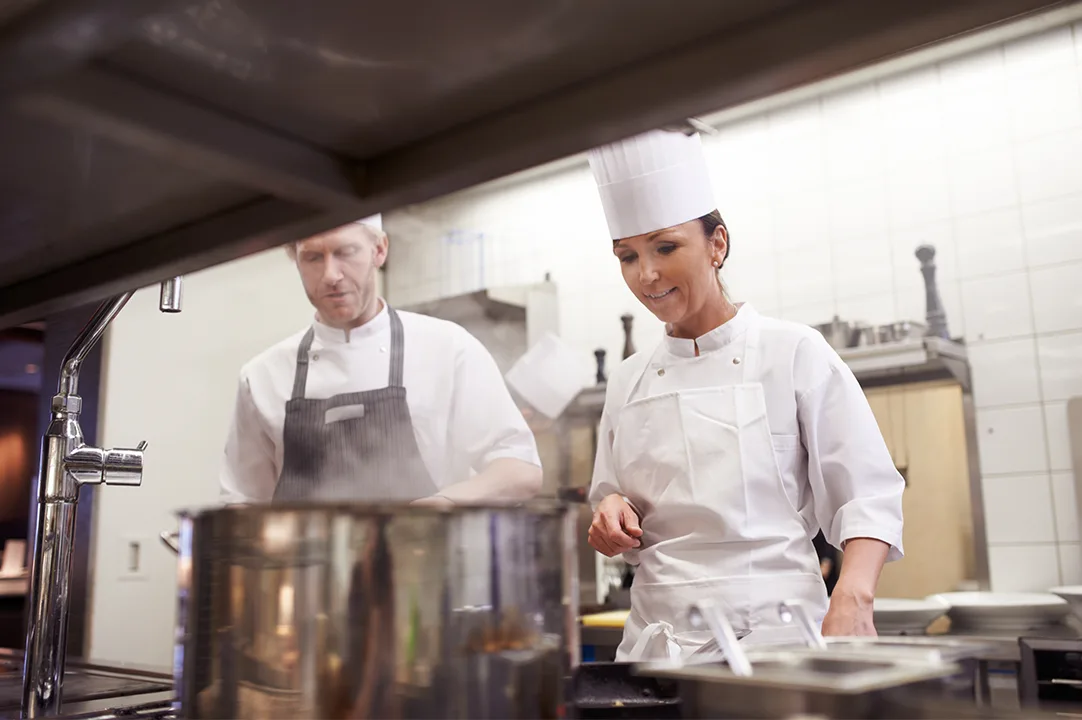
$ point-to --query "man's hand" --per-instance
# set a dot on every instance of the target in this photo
(615, 528)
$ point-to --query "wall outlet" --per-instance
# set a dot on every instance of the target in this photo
(133, 558)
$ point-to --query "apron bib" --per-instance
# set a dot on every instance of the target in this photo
(356, 446)
(717, 523)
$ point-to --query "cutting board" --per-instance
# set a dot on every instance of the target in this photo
(610, 619)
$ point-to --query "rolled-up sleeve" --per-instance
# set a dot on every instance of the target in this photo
(856, 488)
(486, 425)
(247, 473)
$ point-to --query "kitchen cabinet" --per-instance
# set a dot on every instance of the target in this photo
(924, 428)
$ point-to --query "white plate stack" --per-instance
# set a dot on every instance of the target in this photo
(998, 611)
(904, 616)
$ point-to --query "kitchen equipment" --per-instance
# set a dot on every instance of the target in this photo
(629, 347)
(599, 356)
(386, 611)
(1003, 611)
(838, 333)
(907, 616)
(613, 690)
(935, 315)
(1073, 595)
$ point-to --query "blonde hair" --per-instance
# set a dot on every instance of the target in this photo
(374, 234)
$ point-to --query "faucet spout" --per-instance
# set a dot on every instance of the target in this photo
(67, 463)
(170, 301)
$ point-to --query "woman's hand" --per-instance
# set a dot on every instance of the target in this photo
(851, 612)
(615, 528)
(849, 615)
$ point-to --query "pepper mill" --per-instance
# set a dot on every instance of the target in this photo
(599, 354)
(629, 347)
(934, 316)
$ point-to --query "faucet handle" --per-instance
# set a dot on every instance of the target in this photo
(124, 466)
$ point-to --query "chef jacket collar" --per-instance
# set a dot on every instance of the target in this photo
(327, 335)
(717, 338)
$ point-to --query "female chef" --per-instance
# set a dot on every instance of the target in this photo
(724, 450)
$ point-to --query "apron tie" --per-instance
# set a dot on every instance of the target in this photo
(672, 648)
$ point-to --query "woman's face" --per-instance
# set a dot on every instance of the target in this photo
(672, 271)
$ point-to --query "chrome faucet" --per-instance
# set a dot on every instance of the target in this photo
(67, 463)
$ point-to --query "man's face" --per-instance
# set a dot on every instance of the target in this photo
(338, 270)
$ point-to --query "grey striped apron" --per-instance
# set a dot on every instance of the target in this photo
(355, 446)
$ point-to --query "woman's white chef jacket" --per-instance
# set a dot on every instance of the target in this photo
(463, 415)
(829, 458)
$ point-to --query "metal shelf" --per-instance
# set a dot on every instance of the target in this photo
(909, 361)
(143, 139)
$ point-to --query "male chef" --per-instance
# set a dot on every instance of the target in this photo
(373, 404)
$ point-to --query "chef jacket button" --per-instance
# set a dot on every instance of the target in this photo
(383, 349)
(316, 356)
(661, 371)
(736, 361)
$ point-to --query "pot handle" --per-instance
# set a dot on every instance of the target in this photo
(169, 539)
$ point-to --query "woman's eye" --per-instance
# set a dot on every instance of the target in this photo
(666, 249)
(627, 258)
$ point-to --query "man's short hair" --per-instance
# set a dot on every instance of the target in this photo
(373, 233)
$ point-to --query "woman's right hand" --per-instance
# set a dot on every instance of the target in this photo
(615, 528)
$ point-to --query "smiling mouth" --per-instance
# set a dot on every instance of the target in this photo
(661, 295)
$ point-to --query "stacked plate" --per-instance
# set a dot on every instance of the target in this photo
(1073, 595)
(1003, 611)
(903, 616)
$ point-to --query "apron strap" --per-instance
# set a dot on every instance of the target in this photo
(300, 379)
(398, 344)
(672, 648)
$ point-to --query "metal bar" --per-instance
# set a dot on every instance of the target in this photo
(240, 231)
(51, 37)
(718, 71)
(183, 133)
(798, 46)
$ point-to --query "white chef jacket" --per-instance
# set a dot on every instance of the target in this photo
(463, 415)
(834, 463)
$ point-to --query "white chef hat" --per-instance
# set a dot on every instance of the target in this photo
(652, 181)
(373, 221)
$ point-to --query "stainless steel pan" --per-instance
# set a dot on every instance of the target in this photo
(336, 611)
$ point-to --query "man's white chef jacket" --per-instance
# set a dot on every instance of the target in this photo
(463, 415)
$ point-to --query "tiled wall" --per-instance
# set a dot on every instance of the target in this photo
(826, 201)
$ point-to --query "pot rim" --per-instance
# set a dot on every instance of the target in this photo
(539, 506)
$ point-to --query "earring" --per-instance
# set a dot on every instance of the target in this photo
(717, 263)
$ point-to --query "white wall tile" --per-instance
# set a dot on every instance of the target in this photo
(858, 210)
(796, 154)
(1043, 103)
(1049, 166)
(752, 279)
(1053, 230)
(1059, 436)
(806, 276)
(810, 313)
(982, 180)
(912, 116)
(1070, 563)
(918, 192)
(1011, 440)
(1005, 373)
(973, 91)
(874, 309)
(1018, 509)
(751, 228)
(854, 133)
(1035, 54)
(862, 266)
(1057, 297)
(801, 220)
(989, 243)
(997, 307)
(1060, 357)
(904, 242)
(1023, 568)
(1066, 505)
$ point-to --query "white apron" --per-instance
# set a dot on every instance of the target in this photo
(717, 521)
